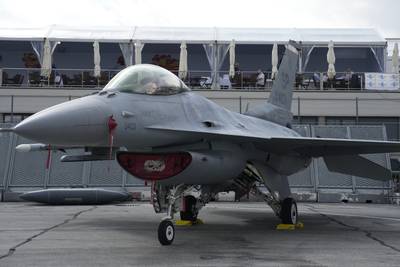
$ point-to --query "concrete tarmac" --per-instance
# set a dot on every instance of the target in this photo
(234, 234)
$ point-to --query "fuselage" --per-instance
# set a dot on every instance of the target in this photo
(83, 122)
(147, 109)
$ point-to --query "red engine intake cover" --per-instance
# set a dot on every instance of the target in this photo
(149, 166)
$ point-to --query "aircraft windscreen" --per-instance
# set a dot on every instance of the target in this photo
(146, 79)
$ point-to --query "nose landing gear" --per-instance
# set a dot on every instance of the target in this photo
(166, 232)
(164, 199)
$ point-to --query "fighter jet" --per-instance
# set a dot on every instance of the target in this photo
(190, 148)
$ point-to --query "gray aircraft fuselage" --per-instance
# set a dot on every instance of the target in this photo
(83, 122)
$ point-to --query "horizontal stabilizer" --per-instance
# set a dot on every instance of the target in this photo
(358, 166)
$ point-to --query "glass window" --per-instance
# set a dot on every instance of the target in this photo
(146, 79)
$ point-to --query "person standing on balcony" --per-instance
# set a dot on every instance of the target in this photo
(260, 82)
(237, 79)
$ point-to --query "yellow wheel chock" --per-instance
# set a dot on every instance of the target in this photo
(282, 226)
(188, 223)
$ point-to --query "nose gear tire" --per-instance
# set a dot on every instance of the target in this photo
(166, 232)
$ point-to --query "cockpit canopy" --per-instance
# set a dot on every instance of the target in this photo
(146, 79)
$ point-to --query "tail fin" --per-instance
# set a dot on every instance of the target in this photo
(278, 108)
(282, 89)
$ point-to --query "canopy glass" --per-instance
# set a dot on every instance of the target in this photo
(146, 79)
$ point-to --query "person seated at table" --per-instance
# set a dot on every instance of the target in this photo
(316, 78)
(260, 81)
(348, 75)
(355, 82)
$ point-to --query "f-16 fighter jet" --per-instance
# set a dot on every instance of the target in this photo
(159, 131)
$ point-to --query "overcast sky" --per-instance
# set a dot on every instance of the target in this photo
(379, 14)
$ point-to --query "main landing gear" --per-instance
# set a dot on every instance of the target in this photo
(189, 210)
(288, 213)
(285, 209)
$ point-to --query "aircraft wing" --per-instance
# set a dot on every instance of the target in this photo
(307, 146)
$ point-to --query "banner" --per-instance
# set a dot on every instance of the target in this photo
(382, 81)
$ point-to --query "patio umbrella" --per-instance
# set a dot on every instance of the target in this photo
(183, 68)
(127, 52)
(46, 63)
(331, 61)
(96, 53)
(395, 58)
(138, 52)
(232, 59)
(274, 61)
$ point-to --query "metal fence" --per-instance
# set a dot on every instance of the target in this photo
(28, 170)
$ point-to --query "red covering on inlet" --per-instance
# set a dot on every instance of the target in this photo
(154, 166)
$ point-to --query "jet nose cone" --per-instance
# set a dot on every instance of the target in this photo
(79, 122)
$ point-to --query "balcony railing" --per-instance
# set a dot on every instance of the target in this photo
(244, 80)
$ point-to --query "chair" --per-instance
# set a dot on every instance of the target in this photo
(355, 81)
(225, 82)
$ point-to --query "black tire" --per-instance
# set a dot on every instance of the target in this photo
(289, 213)
(190, 213)
(166, 232)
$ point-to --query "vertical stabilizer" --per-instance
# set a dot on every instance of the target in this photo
(282, 89)
(278, 107)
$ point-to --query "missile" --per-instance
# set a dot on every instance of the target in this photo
(75, 196)
(31, 147)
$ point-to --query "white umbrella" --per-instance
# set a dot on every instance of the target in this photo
(232, 59)
(274, 61)
(46, 63)
(138, 52)
(331, 61)
(395, 58)
(96, 53)
(183, 66)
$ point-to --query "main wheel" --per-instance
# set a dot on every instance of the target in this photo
(190, 213)
(289, 211)
(166, 232)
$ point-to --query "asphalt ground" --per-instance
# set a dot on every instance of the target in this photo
(234, 234)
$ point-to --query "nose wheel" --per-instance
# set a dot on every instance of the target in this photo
(166, 232)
